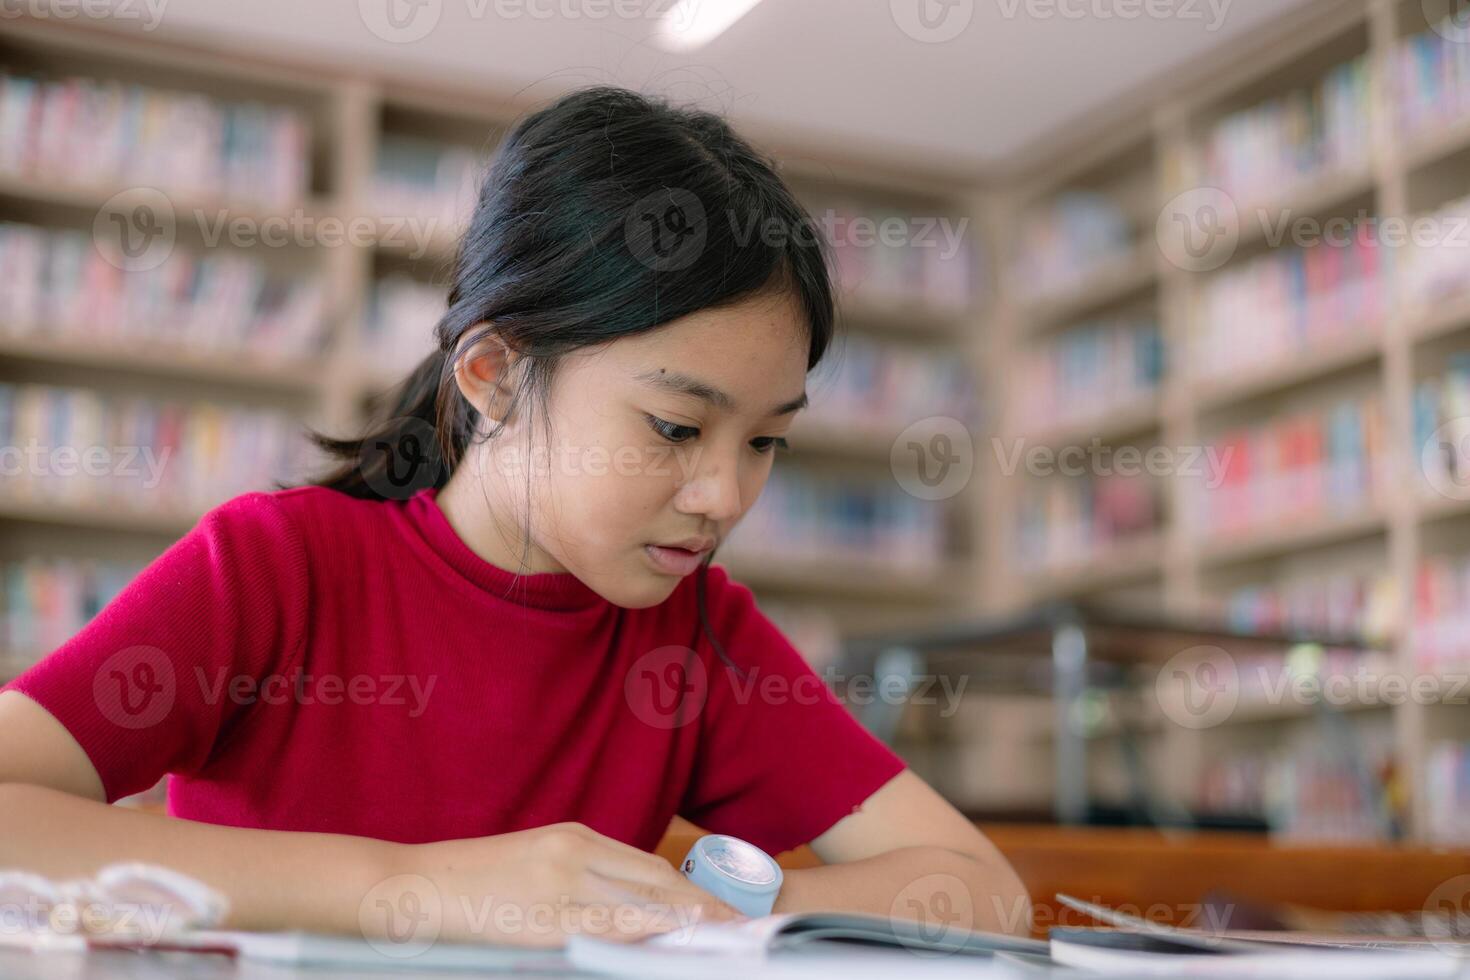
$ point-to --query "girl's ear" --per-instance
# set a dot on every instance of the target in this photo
(484, 373)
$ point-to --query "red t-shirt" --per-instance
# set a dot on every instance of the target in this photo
(304, 660)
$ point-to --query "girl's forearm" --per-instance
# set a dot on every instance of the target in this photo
(932, 885)
(273, 879)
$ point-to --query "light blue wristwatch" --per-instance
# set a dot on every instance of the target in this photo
(734, 871)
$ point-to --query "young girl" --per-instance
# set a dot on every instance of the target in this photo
(488, 658)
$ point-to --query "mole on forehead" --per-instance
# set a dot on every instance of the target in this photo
(683, 384)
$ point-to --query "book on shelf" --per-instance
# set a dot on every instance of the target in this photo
(1343, 604)
(128, 454)
(823, 518)
(45, 601)
(1278, 306)
(1431, 267)
(1441, 416)
(1088, 371)
(1068, 524)
(889, 257)
(1067, 239)
(1291, 139)
(872, 386)
(398, 329)
(428, 180)
(55, 284)
(1447, 793)
(1299, 466)
(1431, 79)
(109, 133)
(1312, 792)
(1441, 631)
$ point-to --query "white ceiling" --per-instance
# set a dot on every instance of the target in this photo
(841, 72)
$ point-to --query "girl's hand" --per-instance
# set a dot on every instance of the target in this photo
(533, 888)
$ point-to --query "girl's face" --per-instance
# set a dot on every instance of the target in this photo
(656, 438)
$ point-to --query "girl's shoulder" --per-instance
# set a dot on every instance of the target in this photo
(295, 516)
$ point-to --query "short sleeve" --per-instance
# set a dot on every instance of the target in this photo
(780, 758)
(146, 687)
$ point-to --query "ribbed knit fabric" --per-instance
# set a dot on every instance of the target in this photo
(304, 660)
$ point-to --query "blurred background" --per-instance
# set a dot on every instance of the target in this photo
(1141, 473)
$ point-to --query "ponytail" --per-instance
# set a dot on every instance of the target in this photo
(412, 442)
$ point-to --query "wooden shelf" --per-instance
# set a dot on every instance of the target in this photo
(1433, 507)
(1121, 564)
(1438, 319)
(1309, 196)
(829, 439)
(1109, 283)
(850, 578)
(1249, 712)
(81, 197)
(392, 238)
(1303, 367)
(1132, 419)
(98, 517)
(165, 361)
(1254, 544)
(901, 318)
(1423, 149)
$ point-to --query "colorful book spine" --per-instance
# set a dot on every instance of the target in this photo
(1441, 632)
(45, 601)
(807, 516)
(1067, 524)
(1304, 792)
(1286, 141)
(1066, 240)
(1288, 303)
(1431, 80)
(401, 315)
(1090, 370)
(79, 447)
(99, 132)
(1447, 793)
(55, 283)
(873, 386)
(427, 179)
(1350, 604)
(892, 258)
(1431, 268)
(1441, 416)
(1301, 466)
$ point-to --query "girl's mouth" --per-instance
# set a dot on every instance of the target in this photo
(674, 561)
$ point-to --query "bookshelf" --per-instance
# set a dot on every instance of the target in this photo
(1326, 369)
(366, 179)
(1079, 278)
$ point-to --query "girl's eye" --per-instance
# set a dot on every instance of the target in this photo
(680, 433)
(671, 431)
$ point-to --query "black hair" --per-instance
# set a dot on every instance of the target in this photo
(603, 215)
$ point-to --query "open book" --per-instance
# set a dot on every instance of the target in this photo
(713, 948)
(1129, 947)
(1138, 947)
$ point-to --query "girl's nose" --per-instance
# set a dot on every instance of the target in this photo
(713, 493)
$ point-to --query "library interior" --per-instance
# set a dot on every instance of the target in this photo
(1130, 508)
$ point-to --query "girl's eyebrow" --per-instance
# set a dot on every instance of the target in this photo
(683, 384)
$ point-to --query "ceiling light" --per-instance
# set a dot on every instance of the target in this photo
(690, 24)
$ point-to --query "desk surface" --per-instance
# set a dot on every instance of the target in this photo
(118, 965)
(853, 963)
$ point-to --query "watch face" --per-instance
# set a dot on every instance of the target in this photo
(741, 861)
